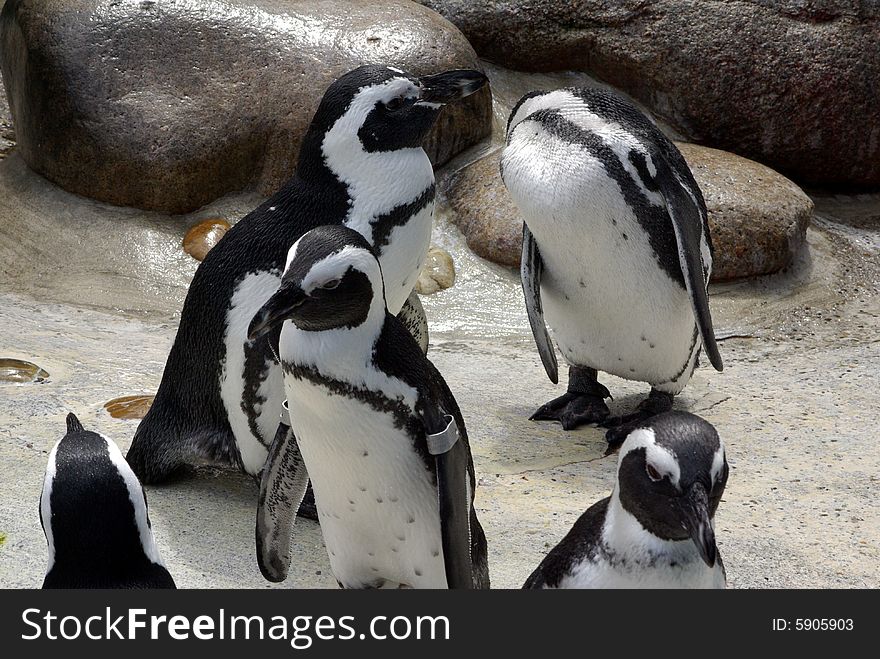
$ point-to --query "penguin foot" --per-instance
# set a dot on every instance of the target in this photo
(573, 409)
(619, 427)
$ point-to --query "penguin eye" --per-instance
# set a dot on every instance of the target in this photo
(330, 285)
(653, 474)
(396, 103)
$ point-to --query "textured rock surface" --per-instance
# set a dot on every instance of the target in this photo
(786, 82)
(170, 105)
(61, 247)
(484, 211)
(7, 134)
(757, 217)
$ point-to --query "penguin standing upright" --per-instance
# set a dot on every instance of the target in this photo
(94, 514)
(376, 425)
(656, 530)
(361, 165)
(616, 251)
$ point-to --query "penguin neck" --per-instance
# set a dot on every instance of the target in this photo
(625, 538)
(343, 352)
(378, 182)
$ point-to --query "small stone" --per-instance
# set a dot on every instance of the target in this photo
(438, 273)
(202, 237)
(129, 407)
(18, 371)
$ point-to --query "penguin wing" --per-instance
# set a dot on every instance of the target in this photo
(687, 210)
(464, 546)
(282, 487)
(580, 544)
(442, 422)
(531, 270)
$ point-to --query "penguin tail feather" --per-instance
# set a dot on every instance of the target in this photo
(73, 424)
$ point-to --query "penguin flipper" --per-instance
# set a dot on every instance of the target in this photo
(282, 488)
(530, 272)
(412, 315)
(453, 493)
(688, 215)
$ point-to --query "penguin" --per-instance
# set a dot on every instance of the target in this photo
(616, 252)
(368, 410)
(657, 528)
(360, 165)
(94, 514)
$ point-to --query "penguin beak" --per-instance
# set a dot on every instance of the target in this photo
(697, 523)
(277, 309)
(449, 86)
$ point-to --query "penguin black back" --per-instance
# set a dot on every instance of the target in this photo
(94, 514)
(213, 401)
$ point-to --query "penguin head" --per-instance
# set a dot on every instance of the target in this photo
(378, 108)
(536, 105)
(94, 514)
(670, 477)
(332, 280)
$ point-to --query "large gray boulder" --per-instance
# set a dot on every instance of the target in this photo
(790, 83)
(758, 218)
(7, 135)
(169, 104)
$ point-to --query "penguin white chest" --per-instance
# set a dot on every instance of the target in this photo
(251, 386)
(376, 501)
(392, 206)
(403, 258)
(604, 573)
(606, 298)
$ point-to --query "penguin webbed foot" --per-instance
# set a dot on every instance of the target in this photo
(583, 403)
(573, 410)
(619, 427)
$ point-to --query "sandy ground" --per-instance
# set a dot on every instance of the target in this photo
(796, 405)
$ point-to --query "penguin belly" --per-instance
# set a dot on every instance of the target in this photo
(689, 572)
(376, 500)
(251, 385)
(606, 299)
(404, 257)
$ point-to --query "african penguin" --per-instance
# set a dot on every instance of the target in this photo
(657, 528)
(616, 251)
(360, 165)
(364, 404)
(94, 514)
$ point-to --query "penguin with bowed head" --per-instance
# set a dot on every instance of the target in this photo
(616, 252)
(94, 513)
(657, 528)
(379, 430)
(361, 165)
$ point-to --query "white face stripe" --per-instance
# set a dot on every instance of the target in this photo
(377, 181)
(663, 460)
(46, 505)
(336, 265)
(138, 502)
